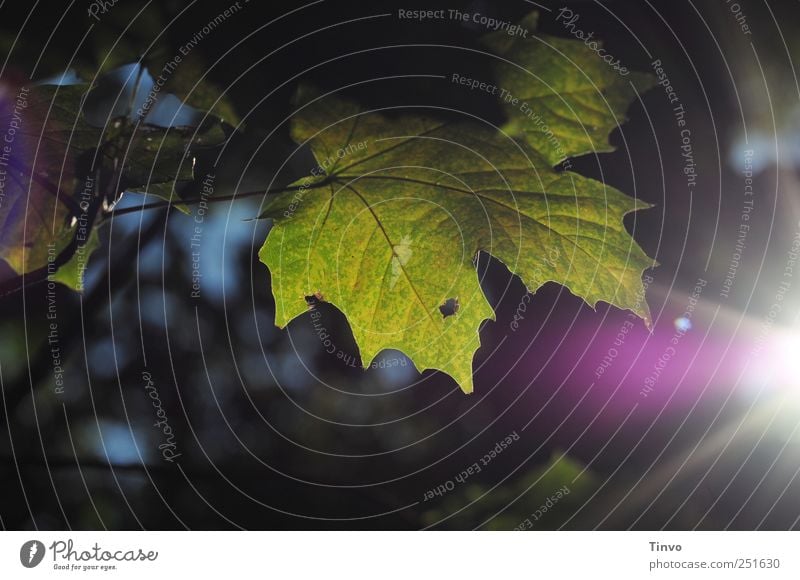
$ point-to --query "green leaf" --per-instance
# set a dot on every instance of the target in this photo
(71, 273)
(58, 170)
(569, 98)
(389, 223)
(162, 160)
(40, 174)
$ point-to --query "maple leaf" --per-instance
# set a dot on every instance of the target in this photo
(388, 226)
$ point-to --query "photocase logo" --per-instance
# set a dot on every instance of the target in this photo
(31, 553)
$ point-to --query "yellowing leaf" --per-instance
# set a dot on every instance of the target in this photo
(568, 97)
(388, 225)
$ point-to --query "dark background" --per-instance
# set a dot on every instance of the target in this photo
(275, 433)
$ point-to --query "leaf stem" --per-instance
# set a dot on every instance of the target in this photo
(214, 199)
